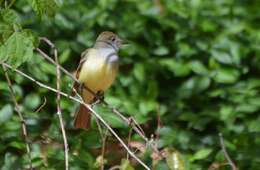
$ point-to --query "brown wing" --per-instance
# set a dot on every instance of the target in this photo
(82, 60)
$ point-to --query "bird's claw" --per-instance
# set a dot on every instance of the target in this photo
(100, 95)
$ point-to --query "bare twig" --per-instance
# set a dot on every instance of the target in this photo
(138, 126)
(86, 105)
(114, 110)
(115, 167)
(230, 162)
(59, 112)
(18, 110)
(10, 4)
(129, 140)
(159, 123)
(99, 128)
(104, 138)
(42, 105)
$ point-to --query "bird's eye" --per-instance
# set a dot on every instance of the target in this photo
(113, 38)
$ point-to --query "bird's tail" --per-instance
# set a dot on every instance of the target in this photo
(82, 118)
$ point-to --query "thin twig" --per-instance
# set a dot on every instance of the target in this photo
(114, 110)
(18, 110)
(135, 124)
(129, 140)
(231, 163)
(104, 138)
(42, 105)
(115, 167)
(11, 3)
(86, 105)
(59, 112)
(99, 128)
(159, 125)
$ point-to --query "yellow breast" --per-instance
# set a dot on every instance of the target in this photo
(97, 73)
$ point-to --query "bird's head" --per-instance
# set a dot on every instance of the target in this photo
(109, 39)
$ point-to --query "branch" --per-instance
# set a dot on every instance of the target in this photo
(104, 138)
(42, 105)
(59, 113)
(86, 105)
(18, 110)
(230, 162)
(128, 141)
(115, 167)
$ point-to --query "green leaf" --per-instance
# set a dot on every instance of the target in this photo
(17, 49)
(139, 72)
(9, 16)
(6, 113)
(247, 108)
(43, 7)
(11, 162)
(222, 57)
(174, 160)
(152, 90)
(201, 154)
(32, 101)
(226, 76)
(194, 85)
(161, 165)
(167, 136)
(9, 22)
(64, 55)
(17, 144)
(111, 118)
(198, 67)
(5, 31)
(161, 51)
(125, 165)
(147, 106)
(179, 68)
(226, 112)
(254, 125)
(32, 36)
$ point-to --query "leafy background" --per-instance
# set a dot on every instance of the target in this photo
(194, 64)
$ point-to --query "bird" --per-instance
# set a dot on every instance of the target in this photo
(97, 71)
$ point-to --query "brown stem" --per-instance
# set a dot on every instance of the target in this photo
(129, 140)
(59, 112)
(230, 162)
(18, 110)
(42, 105)
(104, 138)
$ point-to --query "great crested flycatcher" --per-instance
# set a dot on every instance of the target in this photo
(97, 71)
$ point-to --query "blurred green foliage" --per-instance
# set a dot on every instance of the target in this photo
(193, 63)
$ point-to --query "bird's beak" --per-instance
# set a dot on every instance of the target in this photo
(125, 42)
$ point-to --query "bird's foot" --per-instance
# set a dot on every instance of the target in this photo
(100, 95)
(98, 98)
